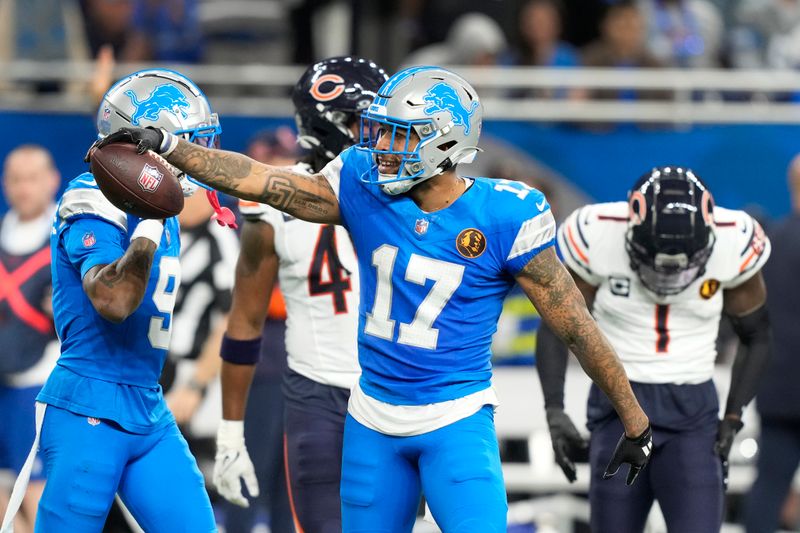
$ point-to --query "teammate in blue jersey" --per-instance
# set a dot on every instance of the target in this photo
(437, 254)
(106, 427)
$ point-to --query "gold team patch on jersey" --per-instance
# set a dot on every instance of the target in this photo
(471, 243)
(709, 288)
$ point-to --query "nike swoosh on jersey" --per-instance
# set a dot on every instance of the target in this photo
(541, 205)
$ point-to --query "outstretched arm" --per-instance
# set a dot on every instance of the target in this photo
(552, 290)
(306, 197)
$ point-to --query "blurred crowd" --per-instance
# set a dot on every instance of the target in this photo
(554, 33)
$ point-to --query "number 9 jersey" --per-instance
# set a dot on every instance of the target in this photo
(433, 284)
(108, 370)
(667, 339)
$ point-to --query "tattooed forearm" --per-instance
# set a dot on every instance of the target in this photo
(219, 169)
(307, 197)
(553, 292)
(134, 266)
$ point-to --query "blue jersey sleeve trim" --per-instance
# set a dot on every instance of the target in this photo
(519, 262)
(90, 241)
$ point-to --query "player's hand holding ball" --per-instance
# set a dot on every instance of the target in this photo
(635, 451)
(131, 174)
(232, 464)
(157, 140)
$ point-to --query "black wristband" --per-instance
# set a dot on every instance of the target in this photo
(240, 352)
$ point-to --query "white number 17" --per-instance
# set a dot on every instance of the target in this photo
(446, 279)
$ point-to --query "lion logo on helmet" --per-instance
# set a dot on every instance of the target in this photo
(165, 97)
(444, 98)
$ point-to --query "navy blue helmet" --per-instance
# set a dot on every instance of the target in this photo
(671, 229)
(329, 98)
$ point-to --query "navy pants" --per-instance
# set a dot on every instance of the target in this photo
(684, 473)
(777, 462)
(314, 425)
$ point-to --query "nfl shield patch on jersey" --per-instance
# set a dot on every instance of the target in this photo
(89, 239)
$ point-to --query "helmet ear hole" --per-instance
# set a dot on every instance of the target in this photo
(447, 146)
(637, 208)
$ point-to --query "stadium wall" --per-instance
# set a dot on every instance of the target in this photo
(745, 165)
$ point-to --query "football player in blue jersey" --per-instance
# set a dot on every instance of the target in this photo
(437, 254)
(106, 428)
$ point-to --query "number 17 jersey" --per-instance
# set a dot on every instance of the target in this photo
(433, 284)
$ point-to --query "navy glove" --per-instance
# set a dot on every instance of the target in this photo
(728, 428)
(634, 451)
(568, 444)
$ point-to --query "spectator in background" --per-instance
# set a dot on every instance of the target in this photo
(42, 30)
(265, 404)
(539, 41)
(539, 44)
(165, 30)
(474, 39)
(622, 44)
(768, 36)
(108, 23)
(683, 33)
(28, 339)
(779, 395)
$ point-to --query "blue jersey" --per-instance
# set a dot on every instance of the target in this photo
(433, 284)
(108, 370)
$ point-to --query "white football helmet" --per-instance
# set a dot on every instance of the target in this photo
(163, 99)
(440, 107)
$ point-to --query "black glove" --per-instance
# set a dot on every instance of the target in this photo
(149, 138)
(635, 451)
(728, 428)
(568, 444)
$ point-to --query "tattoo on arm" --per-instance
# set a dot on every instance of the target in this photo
(552, 290)
(134, 264)
(117, 289)
(307, 197)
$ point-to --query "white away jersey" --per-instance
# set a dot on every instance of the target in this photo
(318, 275)
(669, 339)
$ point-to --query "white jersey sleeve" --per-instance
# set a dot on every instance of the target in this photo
(333, 173)
(742, 242)
(586, 233)
(83, 198)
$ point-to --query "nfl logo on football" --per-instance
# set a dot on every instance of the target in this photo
(150, 178)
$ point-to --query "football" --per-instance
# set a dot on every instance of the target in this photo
(144, 185)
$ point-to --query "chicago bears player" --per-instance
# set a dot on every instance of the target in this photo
(316, 267)
(106, 428)
(659, 271)
(437, 254)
